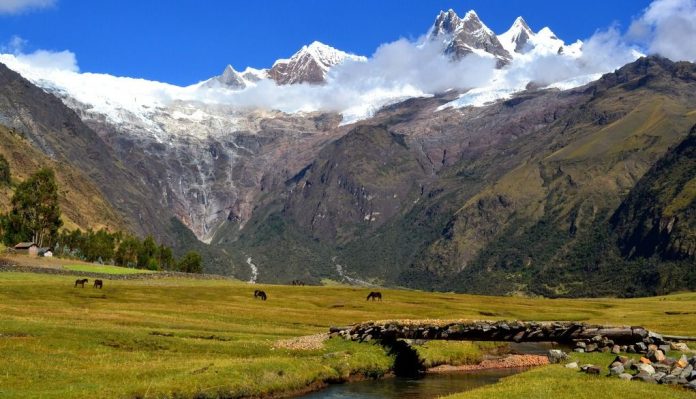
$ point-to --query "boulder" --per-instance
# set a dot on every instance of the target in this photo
(556, 356)
(683, 362)
(621, 359)
(572, 365)
(656, 356)
(616, 349)
(663, 368)
(616, 370)
(686, 373)
(658, 376)
(679, 346)
(691, 385)
(665, 348)
(670, 380)
(645, 377)
(645, 360)
(625, 377)
(591, 347)
(641, 347)
(645, 368)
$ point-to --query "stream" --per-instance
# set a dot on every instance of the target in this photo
(429, 387)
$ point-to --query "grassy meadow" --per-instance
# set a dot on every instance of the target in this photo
(198, 338)
(105, 269)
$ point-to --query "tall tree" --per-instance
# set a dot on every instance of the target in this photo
(35, 213)
(127, 252)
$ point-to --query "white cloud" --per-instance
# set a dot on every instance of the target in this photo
(40, 59)
(17, 6)
(668, 28)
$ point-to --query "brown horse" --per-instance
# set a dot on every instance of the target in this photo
(81, 282)
(374, 295)
(260, 294)
(98, 284)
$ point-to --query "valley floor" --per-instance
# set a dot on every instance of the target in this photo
(186, 338)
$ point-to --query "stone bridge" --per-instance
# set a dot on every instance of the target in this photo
(581, 336)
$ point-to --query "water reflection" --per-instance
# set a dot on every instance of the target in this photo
(432, 386)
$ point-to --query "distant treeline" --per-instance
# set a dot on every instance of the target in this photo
(35, 217)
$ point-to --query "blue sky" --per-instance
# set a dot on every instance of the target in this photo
(186, 41)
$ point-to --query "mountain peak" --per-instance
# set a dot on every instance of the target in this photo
(466, 35)
(516, 39)
(309, 65)
(471, 16)
(520, 23)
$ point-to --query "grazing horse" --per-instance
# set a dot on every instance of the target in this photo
(374, 295)
(298, 282)
(260, 294)
(98, 284)
(81, 282)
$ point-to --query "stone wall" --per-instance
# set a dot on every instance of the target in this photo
(582, 336)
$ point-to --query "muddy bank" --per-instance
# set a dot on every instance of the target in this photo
(507, 362)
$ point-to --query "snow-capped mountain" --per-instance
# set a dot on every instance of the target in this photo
(469, 35)
(309, 65)
(521, 39)
(463, 36)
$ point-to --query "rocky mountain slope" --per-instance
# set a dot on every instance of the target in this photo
(513, 197)
(82, 204)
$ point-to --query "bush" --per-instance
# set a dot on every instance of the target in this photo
(191, 263)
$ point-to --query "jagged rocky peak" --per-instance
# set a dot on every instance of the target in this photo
(446, 23)
(516, 39)
(462, 36)
(235, 80)
(230, 77)
(309, 65)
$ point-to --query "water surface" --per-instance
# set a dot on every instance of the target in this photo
(429, 387)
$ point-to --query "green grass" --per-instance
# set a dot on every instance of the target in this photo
(106, 269)
(161, 338)
(556, 381)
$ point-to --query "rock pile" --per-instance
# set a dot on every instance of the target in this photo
(655, 367)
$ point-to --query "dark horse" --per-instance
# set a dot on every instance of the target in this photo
(81, 282)
(298, 282)
(98, 284)
(260, 294)
(374, 295)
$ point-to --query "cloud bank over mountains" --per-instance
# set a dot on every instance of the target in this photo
(395, 71)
